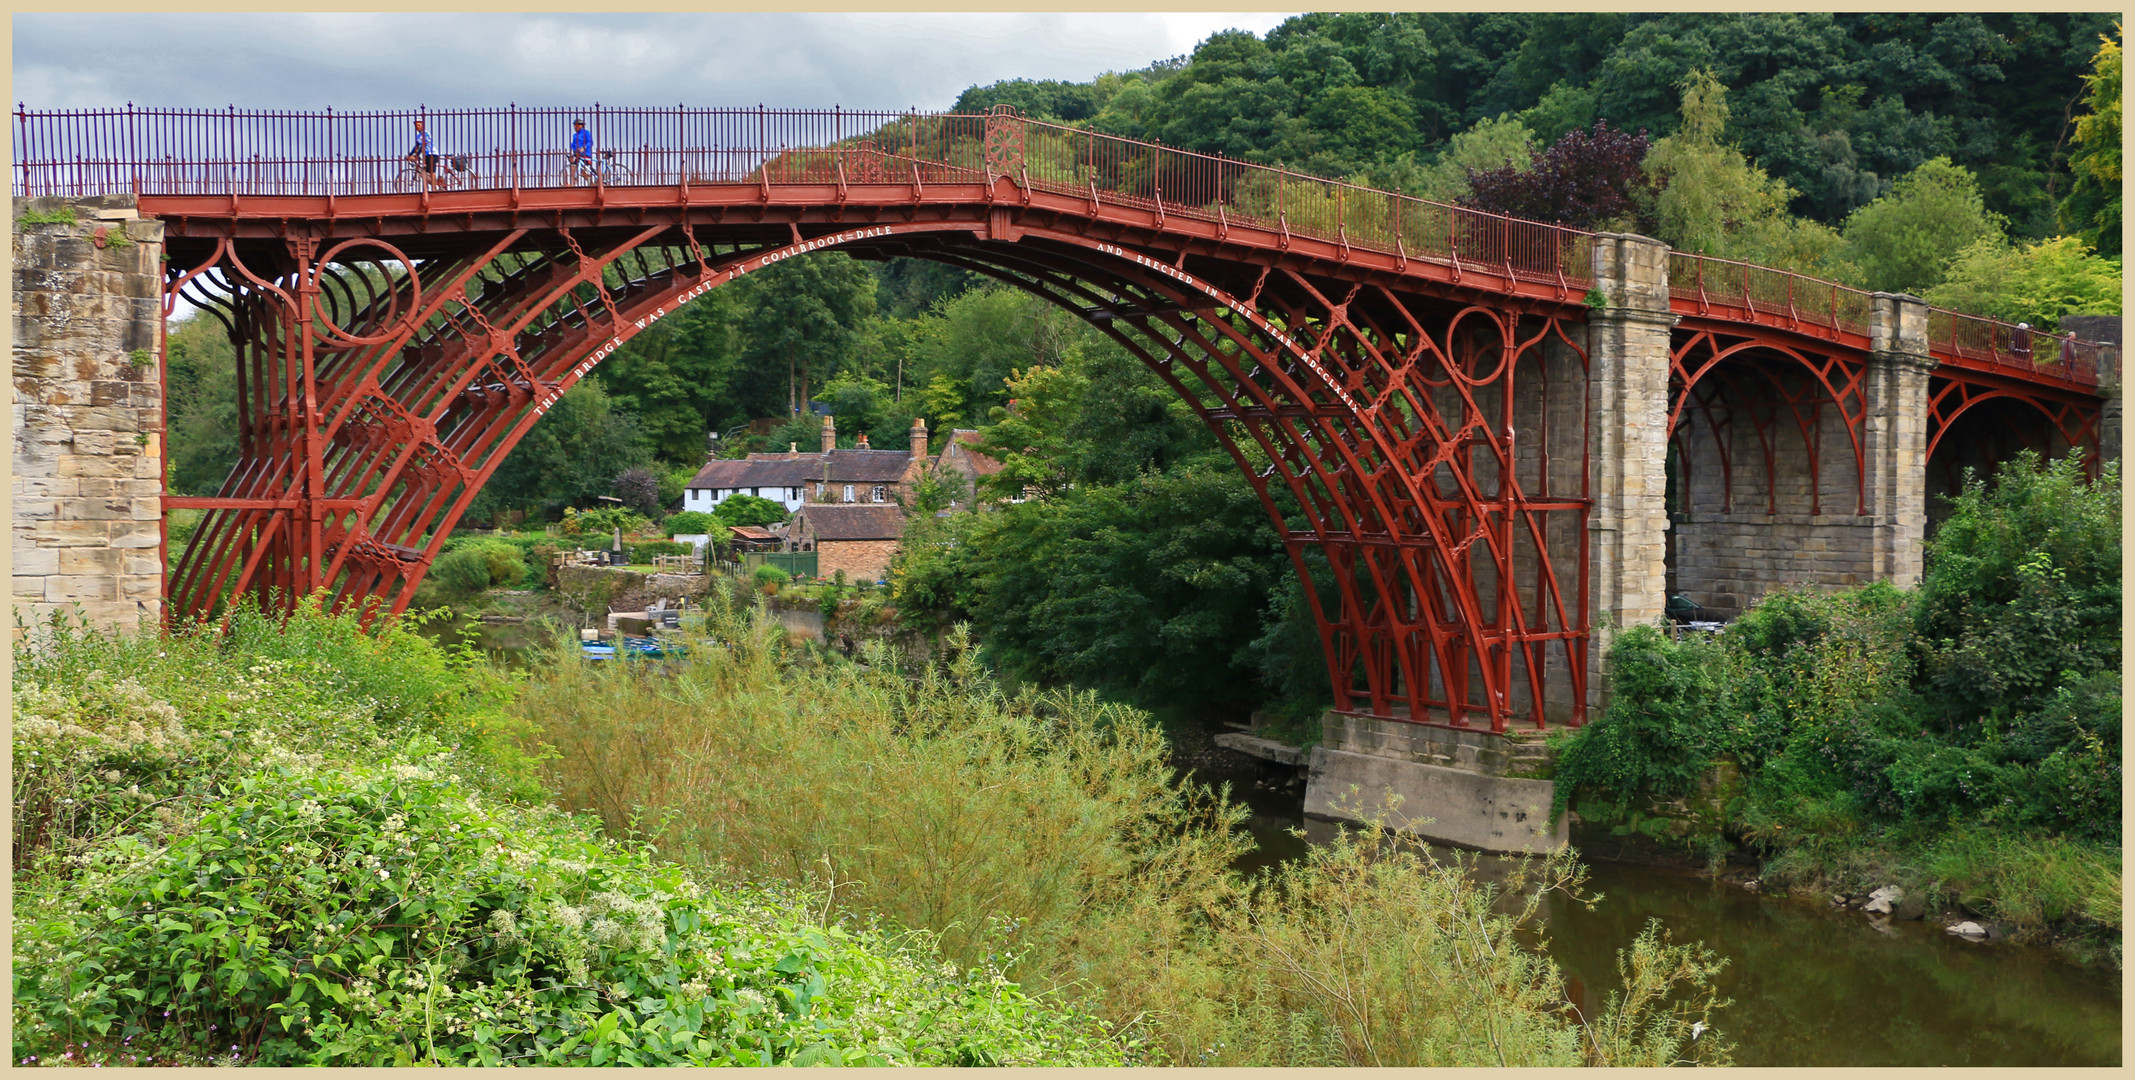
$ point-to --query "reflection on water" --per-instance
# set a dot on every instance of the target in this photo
(506, 643)
(1811, 985)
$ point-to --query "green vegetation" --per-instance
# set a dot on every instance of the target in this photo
(742, 509)
(301, 843)
(63, 215)
(1964, 736)
(1079, 862)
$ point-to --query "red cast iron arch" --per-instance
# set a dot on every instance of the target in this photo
(1837, 374)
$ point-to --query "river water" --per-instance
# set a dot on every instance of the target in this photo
(1810, 984)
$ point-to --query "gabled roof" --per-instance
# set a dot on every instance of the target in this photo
(962, 439)
(752, 532)
(863, 466)
(852, 521)
(757, 471)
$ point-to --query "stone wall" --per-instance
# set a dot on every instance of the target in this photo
(88, 465)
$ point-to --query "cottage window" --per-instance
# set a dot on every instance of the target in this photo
(819, 491)
(876, 495)
(848, 493)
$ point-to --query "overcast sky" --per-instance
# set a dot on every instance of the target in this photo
(365, 61)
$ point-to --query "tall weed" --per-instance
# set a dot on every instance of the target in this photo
(1044, 831)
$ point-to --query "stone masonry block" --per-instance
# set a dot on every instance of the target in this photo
(89, 561)
(97, 510)
(60, 587)
(36, 562)
(137, 537)
(57, 534)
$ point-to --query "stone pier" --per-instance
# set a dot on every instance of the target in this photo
(88, 465)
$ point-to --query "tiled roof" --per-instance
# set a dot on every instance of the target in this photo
(981, 465)
(757, 471)
(752, 532)
(853, 521)
(862, 466)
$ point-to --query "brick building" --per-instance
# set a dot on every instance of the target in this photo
(857, 538)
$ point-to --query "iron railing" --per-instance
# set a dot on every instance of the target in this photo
(2015, 348)
(1760, 294)
(1778, 295)
(269, 152)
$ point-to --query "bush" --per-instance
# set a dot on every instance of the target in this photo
(770, 575)
(642, 551)
(689, 522)
(1664, 726)
(385, 917)
(738, 509)
(603, 521)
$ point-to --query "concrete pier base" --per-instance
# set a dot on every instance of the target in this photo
(1445, 785)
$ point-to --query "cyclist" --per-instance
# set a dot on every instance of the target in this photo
(423, 155)
(580, 160)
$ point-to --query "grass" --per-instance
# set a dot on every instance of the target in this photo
(1044, 832)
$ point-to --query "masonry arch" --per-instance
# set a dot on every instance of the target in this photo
(1767, 473)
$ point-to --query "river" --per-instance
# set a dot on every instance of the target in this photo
(1810, 984)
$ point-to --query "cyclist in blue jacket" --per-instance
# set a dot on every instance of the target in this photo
(581, 156)
(423, 155)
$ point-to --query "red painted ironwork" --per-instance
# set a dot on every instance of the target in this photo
(1820, 379)
(1386, 370)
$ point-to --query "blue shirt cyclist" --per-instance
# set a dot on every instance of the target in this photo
(581, 142)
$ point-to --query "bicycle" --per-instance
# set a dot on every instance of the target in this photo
(603, 170)
(454, 171)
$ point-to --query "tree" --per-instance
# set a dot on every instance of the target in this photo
(2092, 209)
(639, 488)
(740, 509)
(1713, 201)
(976, 340)
(1903, 241)
(801, 318)
(675, 375)
(570, 457)
(1587, 179)
(1082, 588)
(201, 381)
(2032, 283)
(1498, 143)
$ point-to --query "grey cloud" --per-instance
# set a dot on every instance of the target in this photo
(398, 60)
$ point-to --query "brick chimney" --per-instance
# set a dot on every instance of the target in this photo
(830, 434)
(919, 437)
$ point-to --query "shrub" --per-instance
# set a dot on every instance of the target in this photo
(770, 575)
(603, 521)
(688, 522)
(382, 916)
(642, 551)
(741, 509)
(1665, 723)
